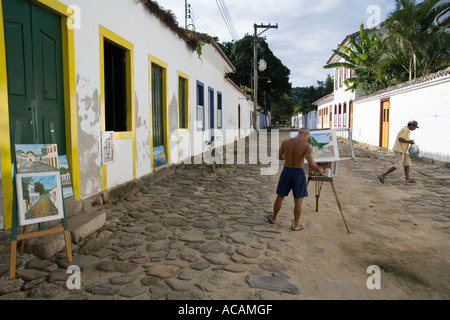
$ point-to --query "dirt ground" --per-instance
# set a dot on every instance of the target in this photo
(397, 248)
(401, 228)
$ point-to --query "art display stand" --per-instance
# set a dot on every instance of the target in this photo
(319, 180)
(41, 230)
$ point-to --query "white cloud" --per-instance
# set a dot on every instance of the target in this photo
(307, 30)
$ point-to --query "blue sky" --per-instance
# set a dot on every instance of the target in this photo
(307, 31)
(49, 181)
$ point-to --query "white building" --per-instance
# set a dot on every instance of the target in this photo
(114, 66)
(378, 117)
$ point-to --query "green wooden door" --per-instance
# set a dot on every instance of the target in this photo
(35, 75)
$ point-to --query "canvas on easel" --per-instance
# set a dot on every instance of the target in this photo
(38, 196)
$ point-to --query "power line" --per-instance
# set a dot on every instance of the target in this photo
(227, 19)
(200, 23)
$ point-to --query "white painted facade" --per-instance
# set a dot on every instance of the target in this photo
(151, 41)
(131, 21)
(426, 100)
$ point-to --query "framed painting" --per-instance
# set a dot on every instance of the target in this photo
(159, 156)
(39, 197)
(108, 149)
(324, 145)
(36, 158)
(66, 180)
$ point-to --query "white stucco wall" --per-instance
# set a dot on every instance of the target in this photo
(131, 21)
(427, 102)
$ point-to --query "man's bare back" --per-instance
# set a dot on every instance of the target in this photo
(294, 151)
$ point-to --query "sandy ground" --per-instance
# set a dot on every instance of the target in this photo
(401, 229)
(411, 249)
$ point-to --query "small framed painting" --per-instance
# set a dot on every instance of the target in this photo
(108, 150)
(159, 156)
(39, 197)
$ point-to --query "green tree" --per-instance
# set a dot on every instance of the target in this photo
(302, 98)
(362, 56)
(240, 53)
(413, 41)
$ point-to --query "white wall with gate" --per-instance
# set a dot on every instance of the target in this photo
(426, 100)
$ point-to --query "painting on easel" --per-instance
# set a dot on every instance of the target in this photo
(39, 197)
(32, 158)
(324, 145)
(38, 183)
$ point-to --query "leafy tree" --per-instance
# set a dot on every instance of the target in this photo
(241, 54)
(412, 39)
(362, 56)
(39, 188)
(302, 98)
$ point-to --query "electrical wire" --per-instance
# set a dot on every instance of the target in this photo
(227, 19)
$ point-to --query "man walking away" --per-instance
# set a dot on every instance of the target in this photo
(402, 143)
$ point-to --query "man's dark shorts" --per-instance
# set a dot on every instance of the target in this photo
(292, 179)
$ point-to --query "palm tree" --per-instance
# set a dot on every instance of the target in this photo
(413, 41)
(361, 56)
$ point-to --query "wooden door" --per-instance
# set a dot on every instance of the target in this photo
(384, 126)
(33, 41)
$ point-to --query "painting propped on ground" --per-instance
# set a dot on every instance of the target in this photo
(159, 156)
(39, 197)
(66, 180)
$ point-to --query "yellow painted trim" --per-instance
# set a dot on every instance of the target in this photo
(186, 111)
(163, 65)
(123, 135)
(70, 106)
(55, 7)
(5, 148)
(110, 36)
(70, 103)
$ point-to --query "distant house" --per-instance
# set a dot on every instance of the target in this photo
(376, 119)
(334, 111)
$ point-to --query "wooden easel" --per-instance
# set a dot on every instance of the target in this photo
(319, 180)
(41, 232)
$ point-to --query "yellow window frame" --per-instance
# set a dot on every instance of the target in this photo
(105, 34)
(163, 66)
(186, 108)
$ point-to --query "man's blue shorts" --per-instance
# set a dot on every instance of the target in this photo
(292, 179)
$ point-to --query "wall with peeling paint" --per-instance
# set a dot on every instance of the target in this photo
(131, 21)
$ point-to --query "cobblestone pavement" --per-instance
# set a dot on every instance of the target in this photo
(199, 235)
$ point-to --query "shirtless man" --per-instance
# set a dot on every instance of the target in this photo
(294, 151)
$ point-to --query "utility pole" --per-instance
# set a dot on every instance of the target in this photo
(255, 69)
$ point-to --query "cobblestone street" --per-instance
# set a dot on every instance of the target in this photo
(199, 235)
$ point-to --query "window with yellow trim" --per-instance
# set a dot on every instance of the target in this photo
(183, 102)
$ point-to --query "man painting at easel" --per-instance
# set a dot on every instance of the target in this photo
(294, 151)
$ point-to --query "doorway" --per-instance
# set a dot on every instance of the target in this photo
(33, 42)
(384, 125)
